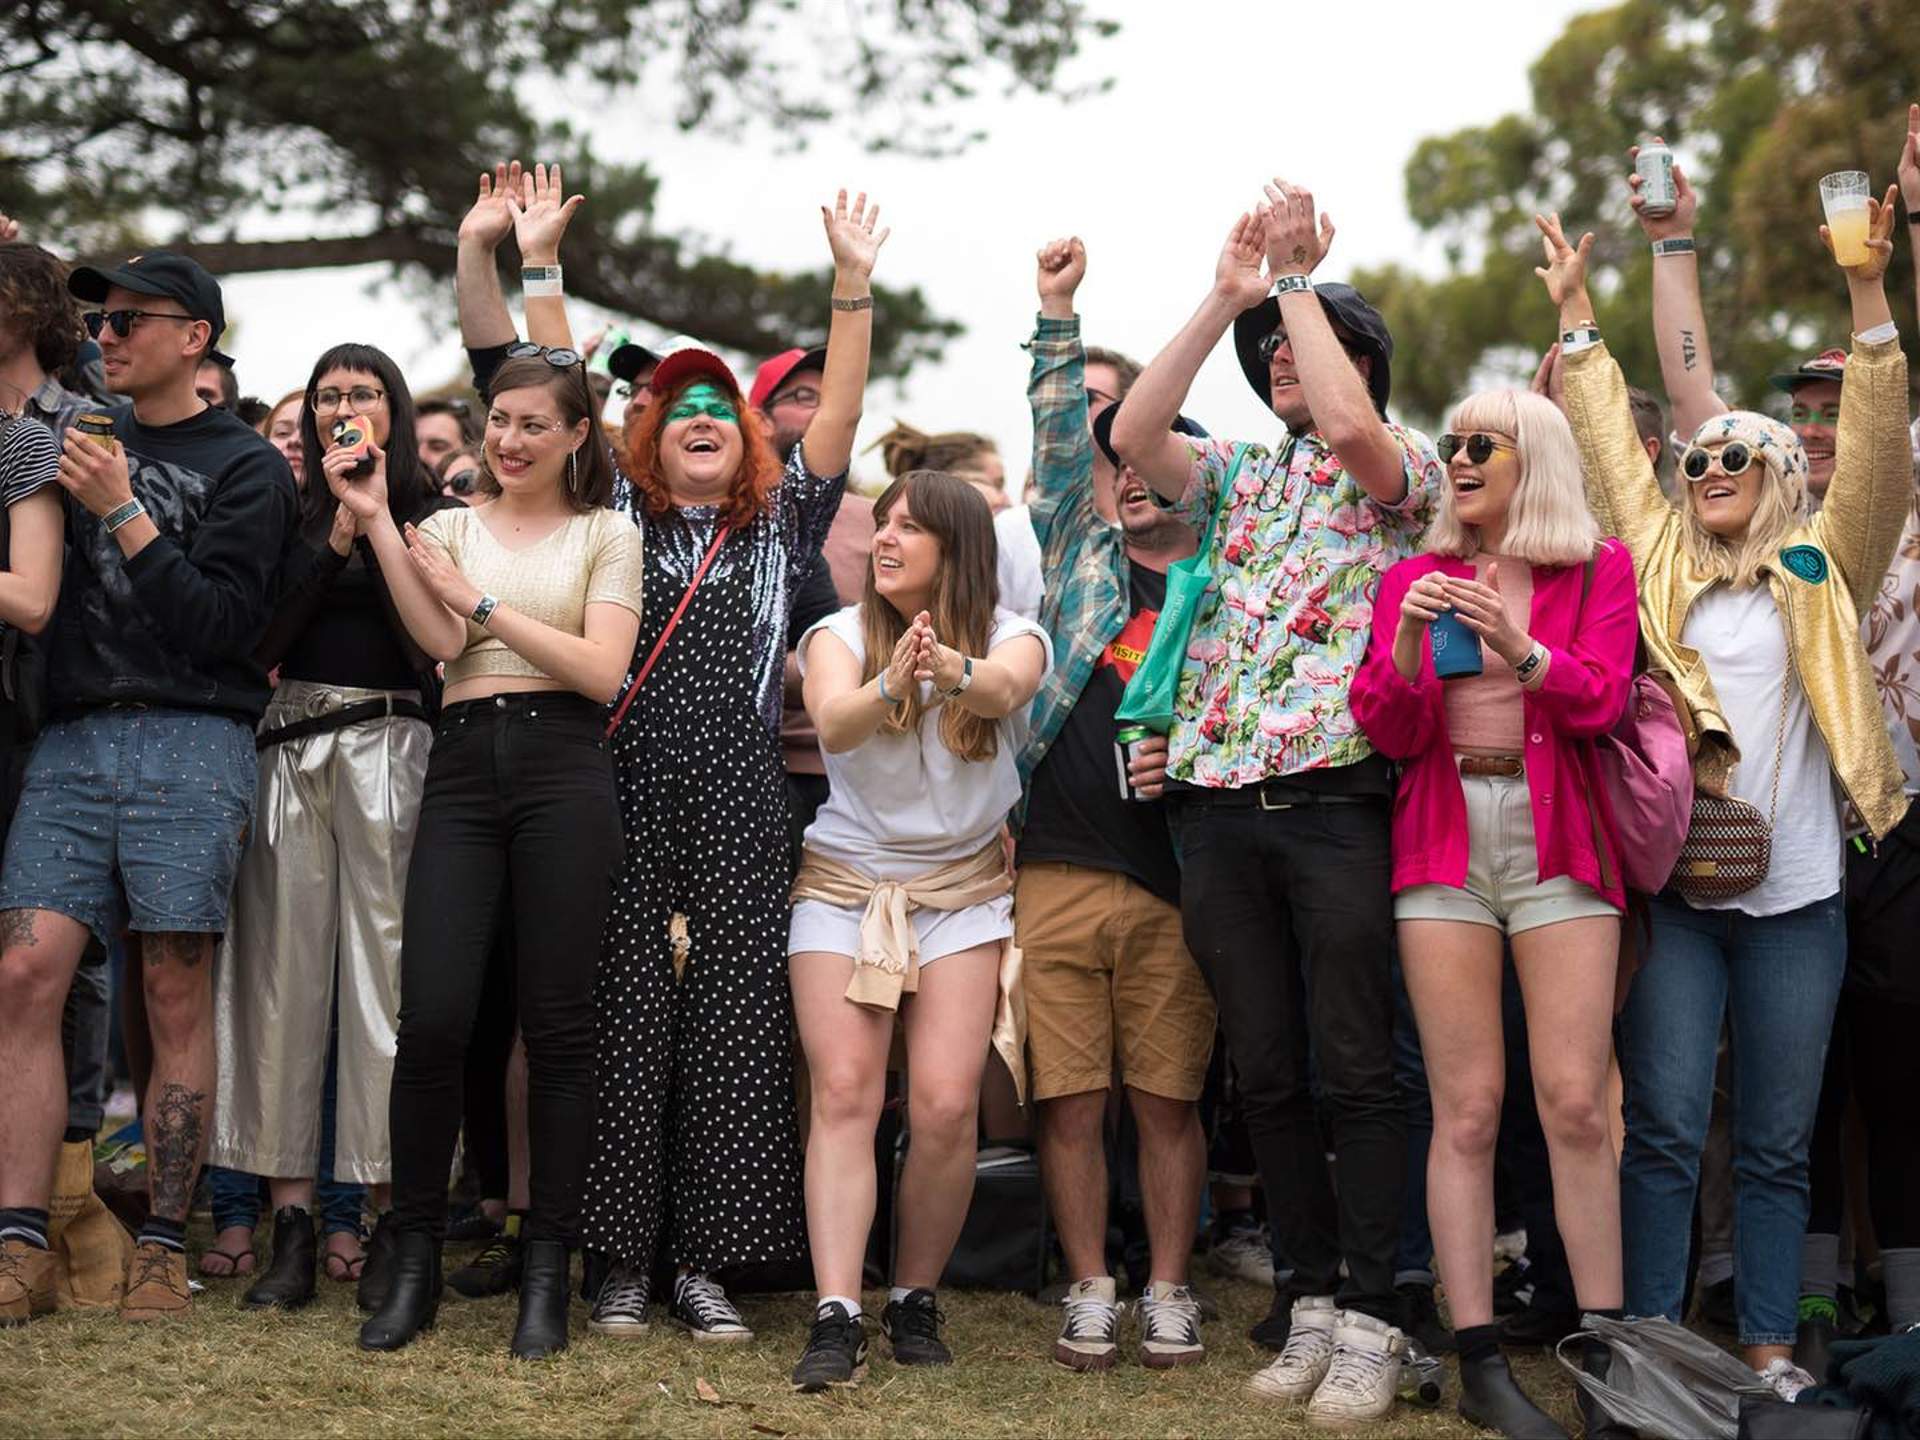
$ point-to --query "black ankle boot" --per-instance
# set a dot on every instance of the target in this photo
(376, 1272)
(413, 1294)
(1490, 1399)
(542, 1328)
(1596, 1360)
(289, 1281)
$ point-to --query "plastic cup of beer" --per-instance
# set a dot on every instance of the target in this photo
(1843, 195)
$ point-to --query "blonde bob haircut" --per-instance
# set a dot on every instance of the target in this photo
(1548, 522)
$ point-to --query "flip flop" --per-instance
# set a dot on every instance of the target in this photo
(345, 1269)
(234, 1259)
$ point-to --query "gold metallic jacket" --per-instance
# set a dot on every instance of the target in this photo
(1855, 532)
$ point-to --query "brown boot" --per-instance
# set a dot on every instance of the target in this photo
(26, 1281)
(156, 1285)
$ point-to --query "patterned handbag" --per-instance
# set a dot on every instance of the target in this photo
(1729, 845)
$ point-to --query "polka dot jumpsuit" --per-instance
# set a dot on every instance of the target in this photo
(696, 1151)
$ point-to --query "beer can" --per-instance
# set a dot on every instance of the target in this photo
(1126, 743)
(1654, 165)
(96, 427)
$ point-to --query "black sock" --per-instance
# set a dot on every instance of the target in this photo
(23, 1222)
(75, 1134)
(1593, 1350)
(1477, 1342)
(1225, 1222)
(161, 1231)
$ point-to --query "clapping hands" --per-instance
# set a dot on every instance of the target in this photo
(913, 659)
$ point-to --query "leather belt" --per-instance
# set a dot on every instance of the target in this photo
(1505, 767)
(340, 719)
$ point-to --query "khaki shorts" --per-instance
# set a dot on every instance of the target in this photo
(1503, 888)
(1104, 967)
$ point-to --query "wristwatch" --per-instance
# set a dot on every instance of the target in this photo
(966, 677)
(483, 611)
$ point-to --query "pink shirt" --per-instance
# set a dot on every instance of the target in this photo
(1484, 711)
(1583, 695)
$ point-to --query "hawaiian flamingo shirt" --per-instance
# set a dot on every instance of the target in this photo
(1297, 555)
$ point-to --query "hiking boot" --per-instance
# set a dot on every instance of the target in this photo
(494, 1271)
(620, 1309)
(1490, 1398)
(1090, 1330)
(1303, 1361)
(912, 1327)
(26, 1281)
(289, 1281)
(157, 1284)
(1244, 1253)
(1363, 1375)
(1785, 1379)
(836, 1352)
(702, 1307)
(1169, 1327)
(1420, 1319)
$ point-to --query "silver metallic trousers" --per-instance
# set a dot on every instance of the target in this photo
(317, 904)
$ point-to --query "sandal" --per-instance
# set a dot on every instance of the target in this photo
(344, 1269)
(235, 1259)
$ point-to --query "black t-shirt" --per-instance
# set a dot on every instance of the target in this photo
(1075, 811)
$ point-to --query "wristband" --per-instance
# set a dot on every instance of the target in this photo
(1888, 331)
(1523, 672)
(1674, 245)
(881, 681)
(859, 302)
(123, 515)
(1580, 337)
(483, 612)
(966, 676)
(1288, 284)
(540, 281)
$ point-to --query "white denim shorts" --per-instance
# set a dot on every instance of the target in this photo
(836, 928)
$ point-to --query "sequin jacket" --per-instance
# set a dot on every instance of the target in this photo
(1829, 572)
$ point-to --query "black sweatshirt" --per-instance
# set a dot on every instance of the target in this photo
(177, 624)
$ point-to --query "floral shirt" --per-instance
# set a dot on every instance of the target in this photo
(1296, 555)
(1892, 633)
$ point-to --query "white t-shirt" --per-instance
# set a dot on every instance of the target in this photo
(1023, 582)
(1740, 636)
(900, 805)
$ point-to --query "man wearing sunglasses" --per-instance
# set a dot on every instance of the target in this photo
(1279, 808)
(140, 790)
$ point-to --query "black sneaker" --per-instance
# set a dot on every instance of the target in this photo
(912, 1328)
(702, 1307)
(836, 1352)
(1420, 1318)
(494, 1271)
(620, 1308)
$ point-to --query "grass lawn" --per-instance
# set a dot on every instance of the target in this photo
(229, 1371)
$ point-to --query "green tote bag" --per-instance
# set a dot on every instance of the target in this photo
(1155, 687)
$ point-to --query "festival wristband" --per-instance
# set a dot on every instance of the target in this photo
(124, 515)
(483, 612)
(1580, 337)
(966, 676)
(859, 302)
(1289, 284)
(1879, 333)
(1674, 245)
(1524, 671)
(881, 681)
(540, 281)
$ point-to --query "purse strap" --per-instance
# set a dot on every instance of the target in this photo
(666, 634)
(1780, 736)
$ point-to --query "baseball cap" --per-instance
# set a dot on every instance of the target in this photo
(160, 272)
(773, 373)
(628, 360)
(1827, 365)
(692, 363)
(1347, 308)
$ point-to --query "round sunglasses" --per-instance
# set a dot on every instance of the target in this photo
(1734, 456)
(1479, 447)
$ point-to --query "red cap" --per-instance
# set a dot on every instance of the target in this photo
(773, 373)
(691, 363)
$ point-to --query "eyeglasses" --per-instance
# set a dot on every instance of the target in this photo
(804, 396)
(122, 321)
(363, 398)
(1734, 456)
(1479, 447)
(1815, 414)
(1269, 346)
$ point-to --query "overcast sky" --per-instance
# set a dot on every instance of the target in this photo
(1210, 98)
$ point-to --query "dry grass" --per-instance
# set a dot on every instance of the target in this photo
(228, 1371)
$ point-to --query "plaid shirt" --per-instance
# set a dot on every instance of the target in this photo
(1083, 556)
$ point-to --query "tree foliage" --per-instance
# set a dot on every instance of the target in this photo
(1758, 100)
(351, 130)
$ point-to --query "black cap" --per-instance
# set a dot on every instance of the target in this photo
(1348, 309)
(161, 272)
(628, 360)
(1103, 431)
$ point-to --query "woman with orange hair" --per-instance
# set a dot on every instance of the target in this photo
(695, 1156)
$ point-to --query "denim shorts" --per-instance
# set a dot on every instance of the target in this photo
(133, 818)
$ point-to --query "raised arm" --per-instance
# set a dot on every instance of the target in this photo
(484, 321)
(827, 446)
(1063, 459)
(542, 210)
(1679, 319)
(1143, 429)
(1909, 172)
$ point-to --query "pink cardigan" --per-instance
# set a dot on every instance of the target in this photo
(1583, 695)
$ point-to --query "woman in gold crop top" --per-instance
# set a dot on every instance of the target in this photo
(533, 602)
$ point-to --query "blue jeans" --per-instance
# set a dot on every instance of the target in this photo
(1777, 980)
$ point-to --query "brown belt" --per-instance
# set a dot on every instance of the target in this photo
(1507, 767)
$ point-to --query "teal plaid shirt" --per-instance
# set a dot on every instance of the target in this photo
(1083, 556)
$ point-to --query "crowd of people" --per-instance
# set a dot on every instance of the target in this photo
(629, 799)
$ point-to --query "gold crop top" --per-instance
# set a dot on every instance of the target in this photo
(590, 558)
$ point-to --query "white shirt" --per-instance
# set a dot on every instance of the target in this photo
(1023, 582)
(900, 805)
(1740, 636)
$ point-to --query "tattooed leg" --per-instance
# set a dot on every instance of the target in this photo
(177, 978)
(39, 952)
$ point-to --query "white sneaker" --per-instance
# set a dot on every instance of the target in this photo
(1786, 1379)
(1245, 1254)
(1363, 1378)
(1090, 1330)
(1169, 1327)
(1309, 1351)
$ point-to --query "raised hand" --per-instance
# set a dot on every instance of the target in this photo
(542, 209)
(1909, 167)
(1565, 273)
(490, 221)
(1547, 377)
(9, 229)
(851, 235)
(1062, 266)
(449, 586)
(1237, 275)
(364, 495)
(1294, 243)
(1686, 204)
(1880, 215)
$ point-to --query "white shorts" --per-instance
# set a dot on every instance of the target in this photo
(836, 929)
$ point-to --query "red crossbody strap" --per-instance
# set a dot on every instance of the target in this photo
(719, 539)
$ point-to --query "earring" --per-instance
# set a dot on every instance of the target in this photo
(573, 472)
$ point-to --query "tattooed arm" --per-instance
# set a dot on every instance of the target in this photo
(1679, 317)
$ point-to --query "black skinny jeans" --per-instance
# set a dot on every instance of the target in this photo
(1289, 913)
(519, 791)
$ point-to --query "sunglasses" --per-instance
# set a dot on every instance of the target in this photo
(1479, 447)
(461, 484)
(122, 321)
(1734, 456)
(1269, 346)
(559, 357)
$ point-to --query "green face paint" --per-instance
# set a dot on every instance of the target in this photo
(703, 399)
